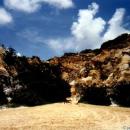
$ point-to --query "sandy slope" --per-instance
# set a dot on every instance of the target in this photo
(62, 116)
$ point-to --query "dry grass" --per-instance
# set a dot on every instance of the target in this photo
(60, 116)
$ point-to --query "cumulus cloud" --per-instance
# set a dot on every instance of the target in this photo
(5, 17)
(88, 28)
(30, 6)
(116, 25)
(22, 5)
(89, 31)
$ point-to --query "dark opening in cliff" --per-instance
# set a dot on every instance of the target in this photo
(121, 94)
(97, 96)
(39, 87)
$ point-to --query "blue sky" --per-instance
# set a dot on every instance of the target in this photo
(49, 28)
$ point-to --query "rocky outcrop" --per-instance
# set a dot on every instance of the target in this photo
(100, 76)
(30, 81)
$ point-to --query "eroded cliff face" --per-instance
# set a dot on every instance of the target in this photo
(29, 81)
(100, 76)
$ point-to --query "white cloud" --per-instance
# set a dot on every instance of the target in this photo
(89, 31)
(116, 25)
(30, 6)
(5, 17)
(61, 45)
(60, 3)
(86, 32)
(22, 5)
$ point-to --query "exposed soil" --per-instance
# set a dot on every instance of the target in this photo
(60, 116)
